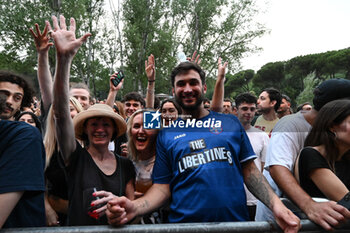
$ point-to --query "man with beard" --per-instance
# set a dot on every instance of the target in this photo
(284, 108)
(22, 162)
(268, 103)
(227, 106)
(201, 163)
(18, 94)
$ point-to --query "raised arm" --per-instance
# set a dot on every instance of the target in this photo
(195, 58)
(218, 95)
(43, 44)
(259, 187)
(113, 90)
(150, 69)
(121, 210)
(66, 47)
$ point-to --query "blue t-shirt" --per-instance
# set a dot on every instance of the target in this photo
(22, 163)
(201, 161)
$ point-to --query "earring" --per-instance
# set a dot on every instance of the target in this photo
(333, 133)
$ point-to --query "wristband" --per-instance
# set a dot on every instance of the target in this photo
(151, 81)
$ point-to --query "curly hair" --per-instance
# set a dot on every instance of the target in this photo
(8, 76)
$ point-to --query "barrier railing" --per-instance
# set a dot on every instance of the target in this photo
(241, 227)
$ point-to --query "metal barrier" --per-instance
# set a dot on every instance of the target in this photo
(235, 227)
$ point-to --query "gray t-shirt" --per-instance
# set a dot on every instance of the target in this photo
(286, 141)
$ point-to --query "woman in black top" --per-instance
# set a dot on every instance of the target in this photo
(92, 167)
(324, 163)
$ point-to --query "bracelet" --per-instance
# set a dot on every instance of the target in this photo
(151, 81)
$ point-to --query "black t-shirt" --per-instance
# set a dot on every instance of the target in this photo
(83, 175)
(311, 159)
(55, 174)
(22, 163)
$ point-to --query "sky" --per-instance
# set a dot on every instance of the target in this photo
(300, 27)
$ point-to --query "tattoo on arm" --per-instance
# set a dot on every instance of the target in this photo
(258, 185)
(144, 204)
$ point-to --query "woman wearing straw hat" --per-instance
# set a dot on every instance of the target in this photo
(94, 173)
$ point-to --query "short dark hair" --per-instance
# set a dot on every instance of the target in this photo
(156, 102)
(286, 97)
(8, 76)
(300, 106)
(2, 102)
(206, 100)
(134, 96)
(184, 68)
(245, 97)
(274, 94)
(228, 100)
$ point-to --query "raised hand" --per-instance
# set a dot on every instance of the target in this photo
(195, 58)
(150, 68)
(65, 42)
(42, 40)
(221, 68)
(111, 86)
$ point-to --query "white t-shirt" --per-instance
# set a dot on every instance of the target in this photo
(259, 141)
(286, 141)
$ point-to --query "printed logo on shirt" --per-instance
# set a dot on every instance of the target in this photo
(193, 160)
(215, 130)
(179, 136)
(151, 120)
(197, 144)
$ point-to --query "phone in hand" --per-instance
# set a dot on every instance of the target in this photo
(118, 79)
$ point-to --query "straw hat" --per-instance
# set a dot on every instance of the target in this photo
(98, 110)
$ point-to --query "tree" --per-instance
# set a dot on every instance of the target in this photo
(16, 17)
(270, 75)
(149, 26)
(239, 82)
(211, 29)
(146, 31)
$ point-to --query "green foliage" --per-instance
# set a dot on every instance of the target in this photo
(298, 76)
(238, 83)
(149, 26)
(270, 75)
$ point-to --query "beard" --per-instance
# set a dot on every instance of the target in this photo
(192, 107)
(263, 110)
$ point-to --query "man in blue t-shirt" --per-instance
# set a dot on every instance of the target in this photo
(22, 186)
(201, 163)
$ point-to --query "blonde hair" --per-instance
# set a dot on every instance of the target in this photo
(133, 153)
(120, 106)
(50, 140)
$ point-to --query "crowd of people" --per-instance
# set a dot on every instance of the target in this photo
(66, 160)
